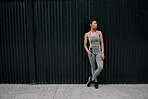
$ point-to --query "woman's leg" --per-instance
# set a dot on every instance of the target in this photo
(99, 66)
(92, 63)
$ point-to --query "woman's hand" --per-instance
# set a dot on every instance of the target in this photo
(102, 56)
(89, 53)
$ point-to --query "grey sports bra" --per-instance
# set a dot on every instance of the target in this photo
(93, 39)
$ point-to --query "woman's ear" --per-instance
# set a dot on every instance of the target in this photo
(90, 25)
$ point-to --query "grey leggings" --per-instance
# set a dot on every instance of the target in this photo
(96, 57)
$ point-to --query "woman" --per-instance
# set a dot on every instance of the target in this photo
(95, 51)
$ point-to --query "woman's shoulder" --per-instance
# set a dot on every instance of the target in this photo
(86, 33)
(99, 32)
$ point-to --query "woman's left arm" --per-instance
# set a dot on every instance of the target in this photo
(102, 45)
(101, 40)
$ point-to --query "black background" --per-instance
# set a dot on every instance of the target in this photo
(42, 40)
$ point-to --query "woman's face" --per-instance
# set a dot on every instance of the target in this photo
(93, 25)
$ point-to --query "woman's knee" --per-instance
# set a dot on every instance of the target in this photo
(101, 68)
(100, 65)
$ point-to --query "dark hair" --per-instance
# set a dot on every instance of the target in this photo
(90, 22)
(87, 27)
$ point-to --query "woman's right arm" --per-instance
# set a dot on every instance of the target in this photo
(85, 44)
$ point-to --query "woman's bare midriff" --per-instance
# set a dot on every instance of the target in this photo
(95, 44)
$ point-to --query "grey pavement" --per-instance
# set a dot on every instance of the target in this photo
(73, 91)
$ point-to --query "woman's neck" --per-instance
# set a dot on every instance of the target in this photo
(92, 30)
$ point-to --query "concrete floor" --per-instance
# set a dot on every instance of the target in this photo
(73, 91)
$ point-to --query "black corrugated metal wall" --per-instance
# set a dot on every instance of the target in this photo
(14, 62)
(42, 40)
